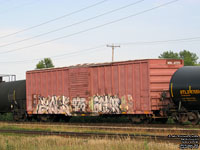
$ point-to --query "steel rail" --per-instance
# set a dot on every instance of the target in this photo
(130, 129)
(173, 139)
(170, 126)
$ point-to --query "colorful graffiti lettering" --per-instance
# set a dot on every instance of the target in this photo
(127, 104)
(106, 104)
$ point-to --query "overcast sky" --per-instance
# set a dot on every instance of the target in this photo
(76, 32)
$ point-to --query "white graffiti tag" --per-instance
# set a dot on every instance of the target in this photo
(79, 104)
(53, 105)
(107, 104)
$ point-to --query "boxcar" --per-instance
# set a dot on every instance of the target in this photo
(136, 88)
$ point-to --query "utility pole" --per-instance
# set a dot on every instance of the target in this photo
(113, 47)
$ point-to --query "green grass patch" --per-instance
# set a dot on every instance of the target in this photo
(27, 129)
(6, 117)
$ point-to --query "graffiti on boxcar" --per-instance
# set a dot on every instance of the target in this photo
(106, 104)
(111, 104)
(127, 103)
(78, 104)
(51, 105)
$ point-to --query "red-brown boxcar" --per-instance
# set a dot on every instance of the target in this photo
(128, 87)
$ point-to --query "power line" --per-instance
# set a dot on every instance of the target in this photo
(71, 25)
(61, 55)
(89, 29)
(163, 41)
(103, 45)
(55, 19)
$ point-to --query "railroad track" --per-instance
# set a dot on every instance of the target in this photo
(170, 138)
(101, 127)
(109, 124)
(145, 129)
(172, 135)
(105, 128)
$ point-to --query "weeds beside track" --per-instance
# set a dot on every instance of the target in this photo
(95, 135)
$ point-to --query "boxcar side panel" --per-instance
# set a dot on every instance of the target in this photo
(137, 87)
(131, 87)
(145, 100)
(48, 91)
(121, 88)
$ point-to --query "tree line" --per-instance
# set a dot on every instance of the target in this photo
(190, 59)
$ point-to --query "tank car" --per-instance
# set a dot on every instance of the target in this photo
(13, 98)
(185, 93)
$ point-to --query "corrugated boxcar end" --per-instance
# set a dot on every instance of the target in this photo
(160, 76)
(127, 87)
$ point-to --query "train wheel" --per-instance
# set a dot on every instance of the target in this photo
(183, 118)
(15, 117)
(42, 118)
(147, 120)
(19, 116)
(135, 119)
(193, 118)
(175, 117)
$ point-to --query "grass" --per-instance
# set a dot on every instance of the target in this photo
(23, 128)
(21, 142)
(6, 117)
(69, 128)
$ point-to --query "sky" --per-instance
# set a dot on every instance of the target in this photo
(78, 31)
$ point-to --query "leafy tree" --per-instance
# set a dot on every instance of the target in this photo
(46, 63)
(190, 59)
(169, 54)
